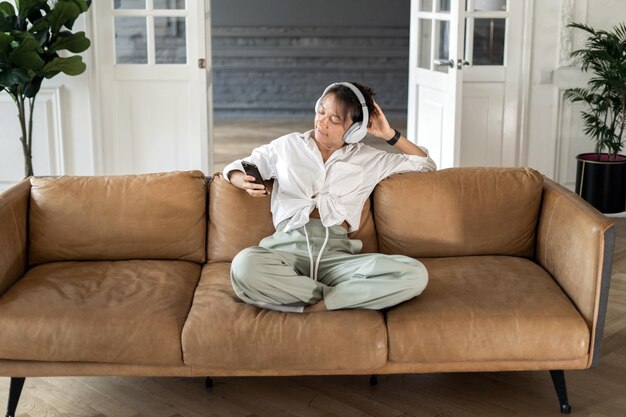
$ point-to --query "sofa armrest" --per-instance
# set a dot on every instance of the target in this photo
(14, 204)
(575, 245)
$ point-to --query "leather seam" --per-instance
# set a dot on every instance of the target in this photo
(549, 229)
(596, 302)
(17, 228)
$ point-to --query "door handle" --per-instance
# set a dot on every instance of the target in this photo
(460, 63)
(444, 62)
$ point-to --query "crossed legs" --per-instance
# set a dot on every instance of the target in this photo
(372, 281)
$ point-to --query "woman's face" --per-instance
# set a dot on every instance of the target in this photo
(330, 125)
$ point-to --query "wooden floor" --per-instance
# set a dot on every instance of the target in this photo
(599, 392)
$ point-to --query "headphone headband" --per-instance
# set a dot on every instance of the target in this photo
(358, 130)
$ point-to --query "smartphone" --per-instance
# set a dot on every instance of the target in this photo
(251, 169)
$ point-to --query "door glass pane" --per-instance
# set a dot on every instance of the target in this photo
(426, 5)
(169, 4)
(489, 41)
(129, 4)
(444, 5)
(442, 31)
(130, 40)
(490, 5)
(423, 60)
(170, 40)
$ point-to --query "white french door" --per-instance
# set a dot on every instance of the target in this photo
(152, 64)
(464, 77)
(435, 78)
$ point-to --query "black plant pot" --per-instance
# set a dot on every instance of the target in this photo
(602, 182)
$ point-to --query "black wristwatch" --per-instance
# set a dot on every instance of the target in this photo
(395, 137)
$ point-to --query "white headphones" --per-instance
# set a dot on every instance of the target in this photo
(357, 131)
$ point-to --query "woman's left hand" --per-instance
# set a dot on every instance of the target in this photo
(380, 126)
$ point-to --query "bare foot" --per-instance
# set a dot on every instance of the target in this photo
(313, 308)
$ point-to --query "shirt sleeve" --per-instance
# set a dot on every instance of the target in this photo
(264, 157)
(394, 163)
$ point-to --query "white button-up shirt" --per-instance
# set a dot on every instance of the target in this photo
(338, 188)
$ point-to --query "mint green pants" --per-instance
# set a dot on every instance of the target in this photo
(277, 273)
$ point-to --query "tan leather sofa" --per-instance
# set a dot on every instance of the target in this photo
(129, 275)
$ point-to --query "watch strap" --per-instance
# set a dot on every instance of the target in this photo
(395, 137)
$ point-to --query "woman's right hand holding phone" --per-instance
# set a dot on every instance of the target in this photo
(246, 182)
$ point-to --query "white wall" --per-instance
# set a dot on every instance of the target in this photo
(554, 125)
(62, 131)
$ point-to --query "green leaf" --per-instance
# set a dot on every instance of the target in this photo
(42, 37)
(26, 54)
(582, 26)
(21, 36)
(620, 31)
(83, 5)
(40, 25)
(5, 44)
(35, 15)
(71, 66)
(8, 23)
(24, 6)
(32, 88)
(76, 42)
(40, 31)
(64, 13)
(13, 76)
(604, 56)
(7, 9)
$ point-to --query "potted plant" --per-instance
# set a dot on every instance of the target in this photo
(601, 175)
(33, 41)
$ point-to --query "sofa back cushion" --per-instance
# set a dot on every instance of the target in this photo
(459, 212)
(150, 216)
(238, 220)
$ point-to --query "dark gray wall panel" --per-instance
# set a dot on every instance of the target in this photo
(263, 68)
(373, 13)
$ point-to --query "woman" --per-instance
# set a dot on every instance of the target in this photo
(322, 178)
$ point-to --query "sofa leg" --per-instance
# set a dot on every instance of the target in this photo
(558, 379)
(373, 380)
(14, 395)
(208, 383)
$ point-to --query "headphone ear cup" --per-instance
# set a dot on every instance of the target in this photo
(355, 133)
(349, 136)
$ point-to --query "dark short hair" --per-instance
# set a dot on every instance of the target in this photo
(349, 104)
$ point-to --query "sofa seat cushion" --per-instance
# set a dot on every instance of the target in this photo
(223, 332)
(486, 308)
(125, 312)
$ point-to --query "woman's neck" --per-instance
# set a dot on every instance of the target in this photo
(326, 151)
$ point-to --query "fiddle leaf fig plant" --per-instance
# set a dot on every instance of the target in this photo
(36, 42)
(604, 55)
